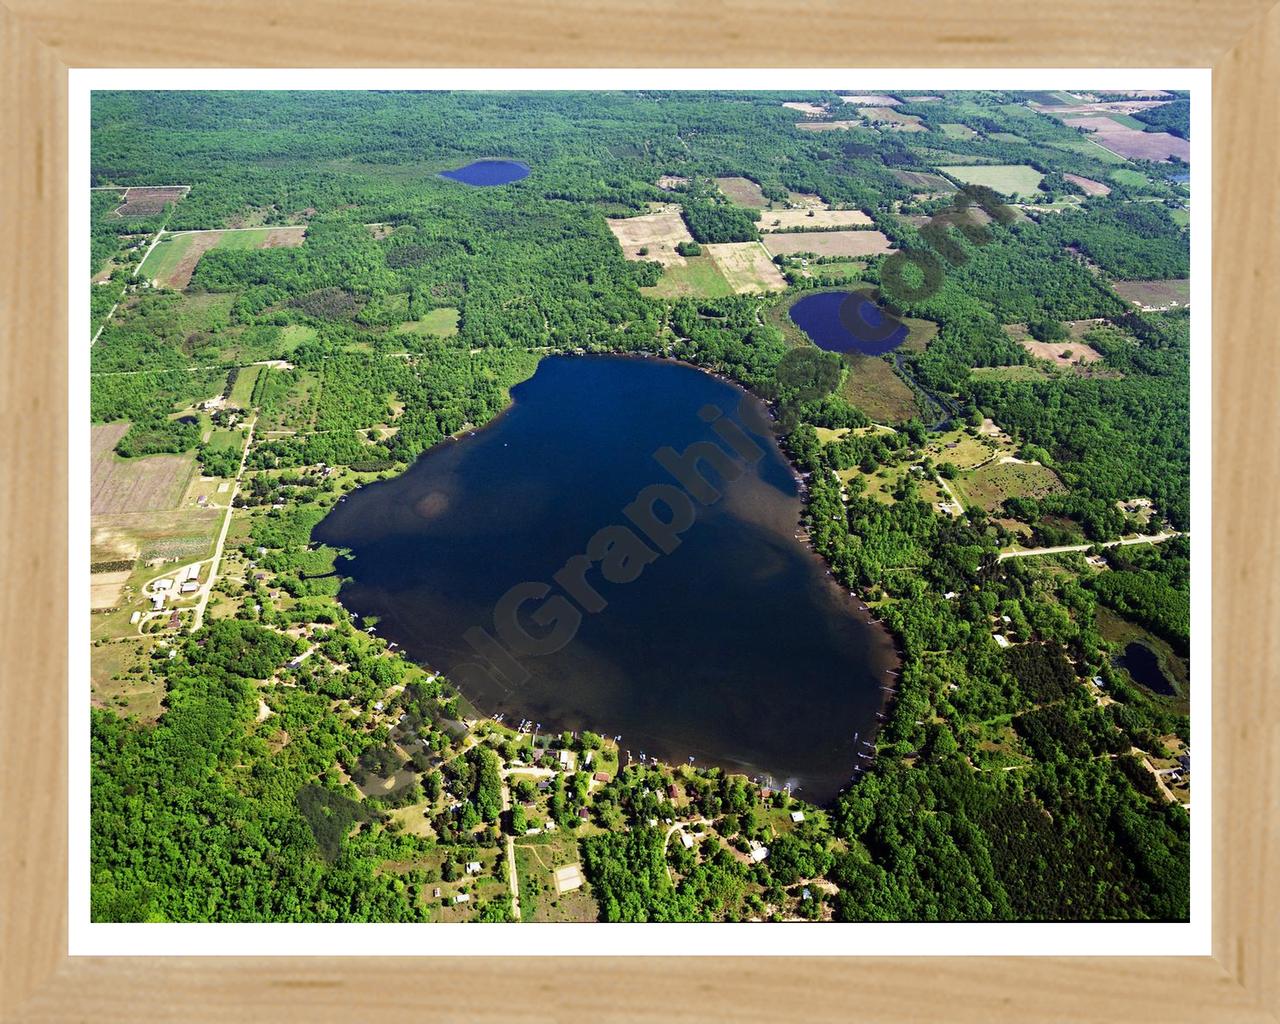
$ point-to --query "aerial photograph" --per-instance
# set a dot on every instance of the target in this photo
(640, 506)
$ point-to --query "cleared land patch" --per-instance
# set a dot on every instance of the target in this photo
(783, 220)
(812, 109)
(747, 266)
(659, 233)
(743, 191)
(699, 276)
(147, 201)
(957, 131)
(989, 486)
(173, 260)
(1155, 295)
(873, 99)
(827, 126)
(923, 181)
(896, 121)
(442, 322)
(1008, 179)
(1091, 187)
(827, 243)
(149, 483)
(1131, 143)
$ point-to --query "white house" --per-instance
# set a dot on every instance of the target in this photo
(797, 816)
(473, 867)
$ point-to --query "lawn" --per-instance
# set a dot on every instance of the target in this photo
(1007, 179)
(1125, 176)
(698, 277)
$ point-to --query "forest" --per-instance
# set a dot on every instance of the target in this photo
(1001, 788)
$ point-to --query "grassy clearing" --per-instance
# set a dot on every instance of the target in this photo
(988, 487)
(871, 385)
(1007, 179)
(699, 277)
(1127, 176)
(121, 678)
(442, 323)
(173, 260)
(242, 390)
(743, 192)
(958, 131)
(747, 266)
(150, 483)
(1155, 294)
(652, 236)
(1017, 373)
(537, 858)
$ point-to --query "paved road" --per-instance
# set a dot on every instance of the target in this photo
(198, 618)
(1150, 539)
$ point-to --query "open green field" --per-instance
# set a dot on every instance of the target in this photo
(958, 131)
(988, 487)
(242, 390)
(442, 322)
(1128, 176)
(122, 679)
(1020, 372)
(1007, 179)
(699, 277)
(920, 333)
(173, 260)
(537, 858)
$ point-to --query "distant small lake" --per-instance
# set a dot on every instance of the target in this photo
(488, 172)
(737, 648)
(845, 322)
(1142, 664)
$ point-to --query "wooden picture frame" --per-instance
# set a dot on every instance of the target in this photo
(42, 39)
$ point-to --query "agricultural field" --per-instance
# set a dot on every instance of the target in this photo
(1131, 143)
(810, 109)
(743, 192)
(958, 131)
(1007, 179)
(988, 487)
(242, 389)
(871, 100)
(173, 260)
(747, 266)
(145, 484)
(827, 126)
(813, 218)
(658, 233)
(1155, 295)
(1093, 188)
(827, 243)
(699, 276)
(894, 120)
(1128, 176)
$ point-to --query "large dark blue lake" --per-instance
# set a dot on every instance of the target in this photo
(847, 322)
(736, 647)
(488, 172)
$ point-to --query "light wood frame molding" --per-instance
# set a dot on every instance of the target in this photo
(41, 39)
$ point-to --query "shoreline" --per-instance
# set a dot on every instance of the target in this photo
(887, 677)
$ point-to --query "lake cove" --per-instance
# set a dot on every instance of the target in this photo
(488, 172)
(847, 322)
(602, 557)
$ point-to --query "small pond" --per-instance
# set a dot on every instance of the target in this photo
(1142, 664)
(847, 322)
(488, 172)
